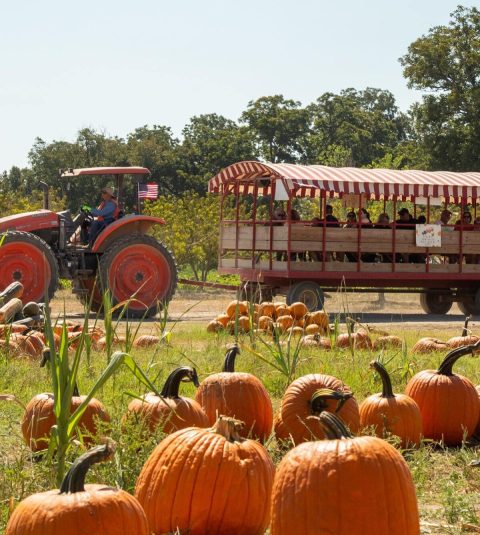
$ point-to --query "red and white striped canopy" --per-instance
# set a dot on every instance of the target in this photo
(310, 180)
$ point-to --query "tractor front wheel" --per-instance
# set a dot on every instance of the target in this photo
(26, 258)
(140, 273)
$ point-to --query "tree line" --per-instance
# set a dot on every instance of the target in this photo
(362, 128)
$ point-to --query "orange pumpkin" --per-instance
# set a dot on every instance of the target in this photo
(266, 309)
(223, 319)
(170, 411)
(80, 508)
(295, 331)
(237, 308)
(459, 341)
(343, 486)
(477, 429)
(298, 310)
(387, 412)
(313, 328)
(309, 396)
(282, 310)
(284, 323)
(449, 403)
(200, 481)
(24, 344)
(429, 345)
(215, 326)
(39, 418)
(320, 318)
(117, 341)
(146, 340)
(358, 340)
(265, 323)
(238, 395)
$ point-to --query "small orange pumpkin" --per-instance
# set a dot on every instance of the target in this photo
(215, 326)
(77, 507)
(313, 328)
(237, 308)
(169, 410)
(319, 317)
(284, 323)
(309, 396)
(146, 340)
(223, 319)
(265, 323)
(449, 403)
(429, 345)
(387, 412)
(298, 310)
(358, 340)
(266, 309)
(39, 418)
(238, 395)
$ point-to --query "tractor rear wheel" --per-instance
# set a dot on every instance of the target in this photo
(93, 302)
(139, 270)
(26, 258)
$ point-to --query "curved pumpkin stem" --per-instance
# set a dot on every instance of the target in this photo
(446, 366)
(333, 426)
(228, 428)
(75, 392)
(229, 362)
(74, 481)
(387, 390)
(318, 403)
(465, 326)
(172, 384)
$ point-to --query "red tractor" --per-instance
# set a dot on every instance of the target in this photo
(39, 248)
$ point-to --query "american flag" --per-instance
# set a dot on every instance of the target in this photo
(148, 191)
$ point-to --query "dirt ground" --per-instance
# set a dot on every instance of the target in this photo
(402, 310)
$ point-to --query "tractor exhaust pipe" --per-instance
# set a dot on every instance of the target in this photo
(46, 198)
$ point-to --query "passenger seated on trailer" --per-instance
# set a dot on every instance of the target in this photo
(295, 216)
(404, 222)
(444, 219)
(331, 220)
(366, 223)
(316, 256)
(351, 223)
(383, 222)
(279, 215)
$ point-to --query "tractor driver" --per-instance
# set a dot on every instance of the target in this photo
(106, 213)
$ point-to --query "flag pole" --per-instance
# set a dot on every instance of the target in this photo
(139, 202)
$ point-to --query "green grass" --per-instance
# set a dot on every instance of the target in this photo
(448, 488)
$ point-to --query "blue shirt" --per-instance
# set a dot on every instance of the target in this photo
(106, 212)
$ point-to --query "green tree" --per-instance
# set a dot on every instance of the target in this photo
(354, 127)
(191, 229)
(210, 143)
(279, 126)
(446, 63)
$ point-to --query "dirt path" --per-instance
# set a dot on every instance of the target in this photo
(401, 309)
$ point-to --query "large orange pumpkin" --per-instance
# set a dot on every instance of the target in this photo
(238, 395)
(237, 308)
(429, 345)
(200, 481)
(80, 508)
(387, 412)
(169, 410)
(477, 429)
(39, 418)
(358, 340)
(309, 396)
(449, 403)
(343, 486)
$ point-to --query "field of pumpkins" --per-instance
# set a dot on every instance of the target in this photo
(272, 420)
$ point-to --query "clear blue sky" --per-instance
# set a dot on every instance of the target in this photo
(117, 65)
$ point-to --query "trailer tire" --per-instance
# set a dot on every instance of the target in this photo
(307, 292)
(434, 303)
(470, 304)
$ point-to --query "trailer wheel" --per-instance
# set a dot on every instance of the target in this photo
(435, 303)
(141, 270)
(26, 258)
(307, 292)
(470, 304)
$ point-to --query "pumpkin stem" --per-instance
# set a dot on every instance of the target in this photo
(172, 384)
(387, 390)
(228, 428)
(333, 426)
(45, 357)
(318, 403)
(465, 326)
(74, 481)
(75, 392)
(229, 362)
(446, 366)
